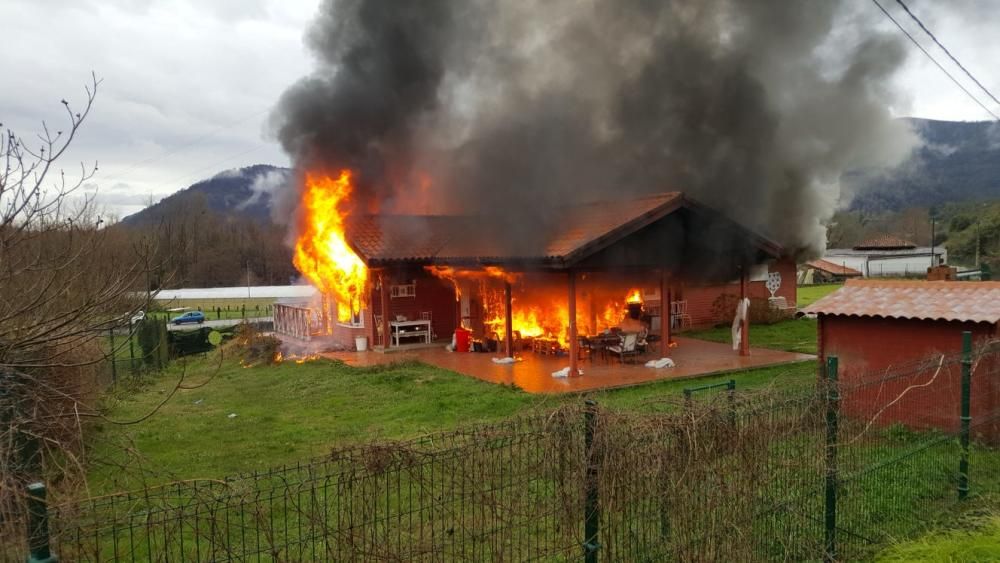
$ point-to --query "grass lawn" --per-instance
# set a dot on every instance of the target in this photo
(794, 335)
(292, 412)
(809, 294)
(227, 308)
(977, 541)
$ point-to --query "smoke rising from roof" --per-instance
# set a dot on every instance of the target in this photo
(515, 108)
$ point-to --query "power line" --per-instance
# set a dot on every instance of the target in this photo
(947, 52)
(933, 60)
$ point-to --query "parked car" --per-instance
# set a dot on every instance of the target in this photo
(189, 317)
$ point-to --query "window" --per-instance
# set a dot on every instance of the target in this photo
(405, 290)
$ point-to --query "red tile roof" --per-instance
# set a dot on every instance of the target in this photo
(832, 268)
(457, 237)
(884, 242)
(947, 300)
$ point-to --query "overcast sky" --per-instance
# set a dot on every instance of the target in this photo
(187, 85)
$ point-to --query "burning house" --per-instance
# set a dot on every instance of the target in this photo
(498, 167)
(395, 280)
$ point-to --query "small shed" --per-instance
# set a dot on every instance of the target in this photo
(878, 329)
(824, 271)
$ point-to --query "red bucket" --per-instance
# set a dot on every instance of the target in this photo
(462, 339)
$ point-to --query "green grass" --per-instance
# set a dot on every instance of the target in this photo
(979, 540)
(809, 294)
(228, 308)
(794, 335)
(292, 412)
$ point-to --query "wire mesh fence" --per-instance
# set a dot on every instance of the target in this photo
(834, 472)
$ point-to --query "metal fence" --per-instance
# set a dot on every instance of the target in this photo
(832, 473)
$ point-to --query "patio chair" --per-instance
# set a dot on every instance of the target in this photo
(378, 331)
(679, 314)
(428, 316)
(627, 348)
(642, 342)
(586, 348)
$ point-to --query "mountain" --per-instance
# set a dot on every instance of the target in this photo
(244, 192)
(958, 162)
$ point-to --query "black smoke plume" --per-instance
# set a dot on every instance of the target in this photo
(514, 108)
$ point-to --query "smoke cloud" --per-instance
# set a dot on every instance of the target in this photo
(514, 108)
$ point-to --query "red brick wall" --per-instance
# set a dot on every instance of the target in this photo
(701, 298)
(344, 335)
(869, 349)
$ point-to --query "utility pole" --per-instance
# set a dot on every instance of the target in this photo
(933, 251)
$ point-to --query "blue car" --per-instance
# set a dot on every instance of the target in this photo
(189, 317)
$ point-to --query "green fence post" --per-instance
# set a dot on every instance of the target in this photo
(243, 311)
(38, 525)
(131, 347)
(966, 416)
(832, 408)
(731, 389)
(592, 515)
(114, 355)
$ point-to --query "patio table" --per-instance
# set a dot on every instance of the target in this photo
(410, 329)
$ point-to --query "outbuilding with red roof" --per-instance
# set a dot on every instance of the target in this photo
(880, 328)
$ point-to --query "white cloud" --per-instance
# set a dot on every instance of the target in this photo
(186, 89)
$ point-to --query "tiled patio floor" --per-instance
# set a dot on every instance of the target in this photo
(694, 358)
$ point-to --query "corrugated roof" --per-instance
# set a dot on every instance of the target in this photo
(457, 237)
(832, 268)
(950, 301)
(884, 242)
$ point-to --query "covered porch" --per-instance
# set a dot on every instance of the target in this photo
(533, 372)
(565, 294)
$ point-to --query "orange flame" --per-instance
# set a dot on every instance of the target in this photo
(634, 296)
(322, 254)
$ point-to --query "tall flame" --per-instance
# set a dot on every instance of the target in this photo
(322, 254)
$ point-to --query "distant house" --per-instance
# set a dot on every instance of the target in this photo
(887, 255)
(822, 271)
(877, 327)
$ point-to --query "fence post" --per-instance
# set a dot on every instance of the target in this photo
(114, 355)
(731, 388)
(966, 416)
(592, 515)
(131, 347)
(38, 525)
(832, 408)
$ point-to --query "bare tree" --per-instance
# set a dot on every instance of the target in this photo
(65, 280)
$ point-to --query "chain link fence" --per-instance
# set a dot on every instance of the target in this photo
(832, 473)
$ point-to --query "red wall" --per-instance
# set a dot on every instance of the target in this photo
(701, 298)
(870, 349)
(433, 295)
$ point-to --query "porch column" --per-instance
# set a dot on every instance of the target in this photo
(508, 337)
(744, 294)
(370, 294)
(384, 298)
(665, 319)
(574, 344)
